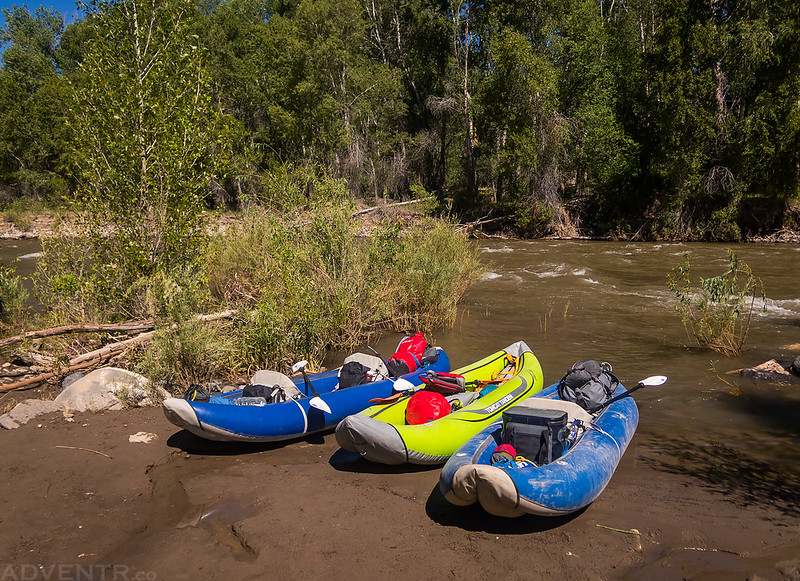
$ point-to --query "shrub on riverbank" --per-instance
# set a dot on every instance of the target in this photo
(306, 286)
(299, 282)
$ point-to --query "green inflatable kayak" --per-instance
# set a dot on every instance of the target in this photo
(381, 434)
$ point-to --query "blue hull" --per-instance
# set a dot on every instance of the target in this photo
(566, 485)
(221, 420)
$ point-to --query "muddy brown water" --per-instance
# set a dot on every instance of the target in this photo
(572, 300)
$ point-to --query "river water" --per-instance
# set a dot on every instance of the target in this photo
(572, 300)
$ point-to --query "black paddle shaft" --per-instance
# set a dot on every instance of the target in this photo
(596, 409)
(309, 385)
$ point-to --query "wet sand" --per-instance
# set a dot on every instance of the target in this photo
(80, 501)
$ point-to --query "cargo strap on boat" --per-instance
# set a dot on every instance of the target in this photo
(509, 371)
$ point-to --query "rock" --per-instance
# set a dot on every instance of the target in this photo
(71, 378)
(796, 366)
(26, 410)
(109, 388)
(769, 371)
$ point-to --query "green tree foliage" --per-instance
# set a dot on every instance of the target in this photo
(671, 119)
(32, 98)
(149, 140)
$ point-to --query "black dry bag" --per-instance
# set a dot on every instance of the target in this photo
(588, 383)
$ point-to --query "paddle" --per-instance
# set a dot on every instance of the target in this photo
(652, 381)
(402, 386)
(316, 401)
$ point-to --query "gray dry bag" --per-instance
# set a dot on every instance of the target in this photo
(588, 383)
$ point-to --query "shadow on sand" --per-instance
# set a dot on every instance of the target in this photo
(192, 444)
(474, 518)
(345, 461)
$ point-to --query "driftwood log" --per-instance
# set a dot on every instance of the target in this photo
(392, 205)
(53, 331)
(96, 356)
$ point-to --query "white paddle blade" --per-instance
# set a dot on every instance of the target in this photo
(299, 365)
(654, 380)
(401, 384)
(319, 403)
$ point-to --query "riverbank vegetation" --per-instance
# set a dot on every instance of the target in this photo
(647, 120)
(717, 315)
(288, 281)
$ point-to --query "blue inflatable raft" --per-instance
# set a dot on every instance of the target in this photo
(512, 487)
(222, 419)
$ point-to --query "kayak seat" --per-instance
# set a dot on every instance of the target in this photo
(465, 398)
(272, 378)
(376, 364)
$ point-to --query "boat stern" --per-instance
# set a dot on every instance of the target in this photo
(489, 485)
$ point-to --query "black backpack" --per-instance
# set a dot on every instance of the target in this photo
(197, 393)
(353, 373)
(270, 393)
(588, 383)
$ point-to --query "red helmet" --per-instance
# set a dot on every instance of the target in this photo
(425, 406)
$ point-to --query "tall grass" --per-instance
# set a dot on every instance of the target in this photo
(13, 298)
(304, 287)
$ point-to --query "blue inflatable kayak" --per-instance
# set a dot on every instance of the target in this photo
(221, 418)
(568, 481)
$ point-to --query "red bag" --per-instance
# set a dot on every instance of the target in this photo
(425, 406)
(408, 356)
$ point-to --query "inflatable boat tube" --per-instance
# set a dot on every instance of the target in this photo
(380, 433)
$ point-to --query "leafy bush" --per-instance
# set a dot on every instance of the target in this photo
(718, 316)
(186, 352)
(13, 298)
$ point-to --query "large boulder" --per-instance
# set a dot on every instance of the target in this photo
(109, 388)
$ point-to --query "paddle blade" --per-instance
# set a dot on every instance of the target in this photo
(401, 384)
(319, 403)
(654, 380)
(299, 365)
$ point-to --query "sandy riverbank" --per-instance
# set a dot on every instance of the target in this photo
(80, 497)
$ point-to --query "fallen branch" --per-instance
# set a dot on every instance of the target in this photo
(53, 331)
(98, 355)
(111, 349)
(480, 222)
(31, 382)
(392, 205)
(24, 371)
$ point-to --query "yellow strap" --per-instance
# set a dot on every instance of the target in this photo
(503, 375)
(524, 459)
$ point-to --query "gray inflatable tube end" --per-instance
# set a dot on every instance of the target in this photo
(374, 440)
